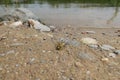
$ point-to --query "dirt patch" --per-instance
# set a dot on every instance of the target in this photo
(26, 54)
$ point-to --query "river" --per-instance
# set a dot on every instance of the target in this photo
(77, 13)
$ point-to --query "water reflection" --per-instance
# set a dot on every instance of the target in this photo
(57, 3)
(115, 13)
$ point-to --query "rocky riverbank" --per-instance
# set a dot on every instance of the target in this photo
(62, 54)
(30, 50)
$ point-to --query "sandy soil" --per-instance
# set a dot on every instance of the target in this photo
(26, 54)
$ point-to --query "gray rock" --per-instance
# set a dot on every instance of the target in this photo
(93, 46)
(107, 47)
(2, 54)
(117, 52)
(69, 41)
(9, 17)
(38, 26)
(10, 52)
(86, 56)
(24, 14)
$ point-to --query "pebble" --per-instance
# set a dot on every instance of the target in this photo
(50, 35)
(36, 35)
(93, 46)
(88, 72)
(78, 64)
(2, 54)
(1, 69)
(10, 52)
(117, 52)
(88, 32)
(112, 55)
(32, 59)
(15, 24)
(105, 59)
(38, 79)
(65, 78)
(17, 44)
(69, 41)
(14, 40)
(107, 47)
(17, 65)
(49, 51)
(38, 26)
(43, 51)
(86, 56)
(89, 41)
(53, 27)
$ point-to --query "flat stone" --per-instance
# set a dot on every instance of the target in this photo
(89, 41)
(69, 41)
(93, 46)
(107, 47)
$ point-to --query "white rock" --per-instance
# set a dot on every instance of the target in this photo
(89, 41)
(37, 25)
(15, 24)
(105, 59)
(89, 32)
(107, 47)
(53, 27)
(112, 55)
(32, 59)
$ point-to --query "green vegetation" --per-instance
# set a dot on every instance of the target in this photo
(54, 2)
